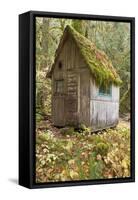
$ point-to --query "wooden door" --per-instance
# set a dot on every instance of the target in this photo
(58, 110)
(71, 99)
(58, 104)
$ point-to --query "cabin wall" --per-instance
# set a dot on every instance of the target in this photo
(80, 102)
(104, 110)
(84, 97)
(71, 61)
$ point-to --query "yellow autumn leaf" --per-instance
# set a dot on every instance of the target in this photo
(71, 162)
(73, 174)
(69, 146)
(63, 175)
(124, 164)
(43, 162)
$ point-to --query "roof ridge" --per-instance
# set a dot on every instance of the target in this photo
(102, 64)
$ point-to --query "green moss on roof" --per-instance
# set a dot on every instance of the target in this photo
(97, 61)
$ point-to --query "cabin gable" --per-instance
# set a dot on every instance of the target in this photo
(66, 74)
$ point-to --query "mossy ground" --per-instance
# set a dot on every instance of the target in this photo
(81, 156)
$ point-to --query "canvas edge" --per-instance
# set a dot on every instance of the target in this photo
(31, 140)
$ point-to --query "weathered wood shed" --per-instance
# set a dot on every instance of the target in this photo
(85, 85)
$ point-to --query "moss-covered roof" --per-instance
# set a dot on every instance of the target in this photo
(96, 60)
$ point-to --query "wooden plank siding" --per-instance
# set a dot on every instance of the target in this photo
(71, 63)
(80, 102)
(84, 115)
(104, 109)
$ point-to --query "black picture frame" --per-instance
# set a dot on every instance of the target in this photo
(27, 98)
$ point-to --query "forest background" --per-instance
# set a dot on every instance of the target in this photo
(111, 37)
(105, 154)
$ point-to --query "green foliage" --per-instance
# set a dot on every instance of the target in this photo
(95, 167)
(39, 117)
(81, 171)
(42, 137)
(79, 25)
(80, 156)
(114, 39)
(82, 127)
(43, 97)
(125, 102)
(102, 148)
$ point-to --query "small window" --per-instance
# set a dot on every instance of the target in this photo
(59, 86)
(105, 91)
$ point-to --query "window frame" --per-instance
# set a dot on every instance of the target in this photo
(100, 93)
(57, 88)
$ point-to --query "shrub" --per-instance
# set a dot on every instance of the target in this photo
(39, 117)
(102, 148)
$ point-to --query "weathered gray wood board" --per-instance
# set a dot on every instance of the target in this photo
(84, 115)
(104, 109)
(80, 102)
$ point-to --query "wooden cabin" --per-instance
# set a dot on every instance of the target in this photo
(85, 85)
